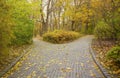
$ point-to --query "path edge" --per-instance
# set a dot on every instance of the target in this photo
(15, 61)
(102, 69)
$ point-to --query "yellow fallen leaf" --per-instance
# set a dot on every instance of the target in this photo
(91, 73)
(60, 63)
(82, 64)
(29, 76)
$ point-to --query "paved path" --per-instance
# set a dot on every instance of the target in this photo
(70, 60)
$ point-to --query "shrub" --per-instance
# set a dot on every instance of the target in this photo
(23, 33)
(23, 29)
(60, 36)
(6, 24)
(103, 31)
(114, 54)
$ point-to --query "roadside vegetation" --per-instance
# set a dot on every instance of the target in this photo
(16, 30)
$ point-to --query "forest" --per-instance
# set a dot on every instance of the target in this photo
(59, 22)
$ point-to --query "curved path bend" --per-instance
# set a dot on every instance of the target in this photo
(70, 60)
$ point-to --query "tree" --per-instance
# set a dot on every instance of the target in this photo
(108, 12)
(6, 25)
(78, 15)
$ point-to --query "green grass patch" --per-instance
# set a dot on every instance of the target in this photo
(60, 36)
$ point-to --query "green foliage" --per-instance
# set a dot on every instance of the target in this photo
(60, 36)
(23, 33)
(103, 31)
(6, 24)
(114, 54)
(23, 29)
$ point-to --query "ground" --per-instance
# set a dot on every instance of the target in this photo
(70, 60)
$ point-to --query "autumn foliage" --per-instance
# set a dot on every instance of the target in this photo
(6, 25)
(60, 36)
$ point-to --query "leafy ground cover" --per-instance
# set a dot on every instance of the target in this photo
(105, 51)
(13, 54)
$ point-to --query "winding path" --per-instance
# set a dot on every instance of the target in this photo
(70, 60)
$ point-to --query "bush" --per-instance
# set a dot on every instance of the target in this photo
(6, 24)
(103, 31)
(23, 29)
(114, 54)
(23, 34)
(60, 36)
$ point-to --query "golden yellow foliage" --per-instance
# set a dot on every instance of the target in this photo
(60, 36)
